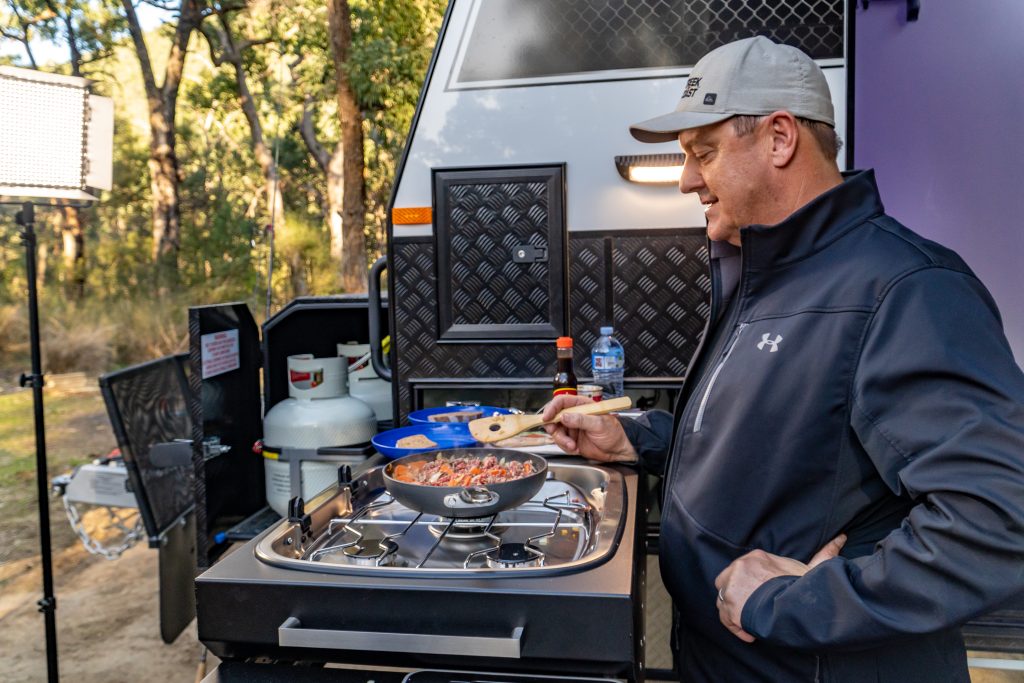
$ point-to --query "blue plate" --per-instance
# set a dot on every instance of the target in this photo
(423, 416)
(444, 435)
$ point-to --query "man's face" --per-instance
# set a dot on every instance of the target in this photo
(729, 173)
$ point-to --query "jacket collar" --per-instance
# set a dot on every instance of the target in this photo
(813, 226)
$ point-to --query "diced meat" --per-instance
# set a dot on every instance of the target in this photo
(463, 471)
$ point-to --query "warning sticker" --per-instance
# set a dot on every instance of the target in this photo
(220, 353)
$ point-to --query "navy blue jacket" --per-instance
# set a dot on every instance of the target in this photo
(856, 380)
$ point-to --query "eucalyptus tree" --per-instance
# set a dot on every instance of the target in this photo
(162, 102)
(19, 22)
(363, 67)
(230, 47)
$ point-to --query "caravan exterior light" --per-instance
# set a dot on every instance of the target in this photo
(655, 169)
(417, 215)
(56, 138)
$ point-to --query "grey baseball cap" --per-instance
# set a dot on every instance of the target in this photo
(753, 76)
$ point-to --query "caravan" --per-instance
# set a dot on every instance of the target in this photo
(523, 210)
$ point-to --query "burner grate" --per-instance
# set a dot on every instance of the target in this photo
(386, 534)
(363, 551)
(506, 555)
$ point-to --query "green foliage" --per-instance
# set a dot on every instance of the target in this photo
(225, 245)
(392, 42)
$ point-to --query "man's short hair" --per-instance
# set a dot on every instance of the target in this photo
(824, 135)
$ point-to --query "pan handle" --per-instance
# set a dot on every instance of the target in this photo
(291, 634)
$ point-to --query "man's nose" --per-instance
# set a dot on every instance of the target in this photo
(690, 179)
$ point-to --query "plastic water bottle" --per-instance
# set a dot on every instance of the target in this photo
(608, 361)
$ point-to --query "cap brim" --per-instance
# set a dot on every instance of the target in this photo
(666, 128)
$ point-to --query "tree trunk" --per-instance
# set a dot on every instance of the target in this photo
(163, 162)
(73, 239)
(163, 180)
(333, 166)
(353, 214)
(336, 203)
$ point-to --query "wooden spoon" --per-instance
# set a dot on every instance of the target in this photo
(498, 427)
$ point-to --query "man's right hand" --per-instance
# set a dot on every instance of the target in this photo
(597, 437)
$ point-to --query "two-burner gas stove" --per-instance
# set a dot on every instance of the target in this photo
(553, 586)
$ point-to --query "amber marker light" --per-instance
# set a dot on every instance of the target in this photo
(417, 215)
(651, 169)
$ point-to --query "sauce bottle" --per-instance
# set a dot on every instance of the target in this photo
(565, 378)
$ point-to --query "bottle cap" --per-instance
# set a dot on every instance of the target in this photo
(564, 343)
(607, 330)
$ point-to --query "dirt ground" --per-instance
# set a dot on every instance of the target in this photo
(108, 626)
(107, 611)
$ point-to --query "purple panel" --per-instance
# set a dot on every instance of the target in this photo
(940, 116)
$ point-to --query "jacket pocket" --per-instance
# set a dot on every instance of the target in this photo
(706, 396)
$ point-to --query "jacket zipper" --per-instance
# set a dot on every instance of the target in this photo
(681, 406)
(698, 421)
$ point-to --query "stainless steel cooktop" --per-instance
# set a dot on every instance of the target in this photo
(358, 528)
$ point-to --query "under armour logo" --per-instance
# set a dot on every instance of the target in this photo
(773, 343)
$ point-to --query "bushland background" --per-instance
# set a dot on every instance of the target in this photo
(247, 132)
(255, 147)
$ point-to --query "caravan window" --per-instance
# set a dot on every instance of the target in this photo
(515, 42)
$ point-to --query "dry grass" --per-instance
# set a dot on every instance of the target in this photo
(94, 337)
(149, 331)
(75, 343)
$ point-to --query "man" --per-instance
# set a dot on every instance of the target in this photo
(844, 485)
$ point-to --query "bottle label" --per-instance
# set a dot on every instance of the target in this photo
(568, 391)
(606, 362)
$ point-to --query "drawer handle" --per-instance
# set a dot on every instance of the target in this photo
(291, 634)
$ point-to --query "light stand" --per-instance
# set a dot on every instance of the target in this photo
(57, 142)
(48, 603)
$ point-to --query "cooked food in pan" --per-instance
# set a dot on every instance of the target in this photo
(462, 471)
(415, 441)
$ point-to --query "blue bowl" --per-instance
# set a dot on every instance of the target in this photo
(445, 435)
(423, 416)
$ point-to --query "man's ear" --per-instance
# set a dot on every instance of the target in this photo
(783, 132)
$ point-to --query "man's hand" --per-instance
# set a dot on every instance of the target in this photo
(739, 580)
(597, 437)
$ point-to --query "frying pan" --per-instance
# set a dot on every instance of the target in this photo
(466, 501)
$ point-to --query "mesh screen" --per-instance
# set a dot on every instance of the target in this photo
(151, 408)
(515, 39)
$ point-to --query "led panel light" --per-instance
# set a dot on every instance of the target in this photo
(657, 169)
(55, 137)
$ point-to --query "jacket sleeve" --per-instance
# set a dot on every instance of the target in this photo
(938, 406)
(650, 434)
